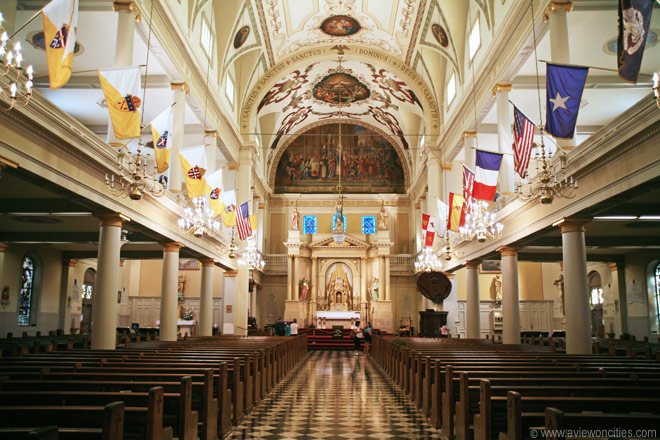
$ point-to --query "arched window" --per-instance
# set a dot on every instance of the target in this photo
(27, 289)
(88, 283)
(595, 288)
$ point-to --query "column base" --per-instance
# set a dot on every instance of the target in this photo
(382, 317)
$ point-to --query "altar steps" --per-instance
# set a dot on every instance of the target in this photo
(321, 339)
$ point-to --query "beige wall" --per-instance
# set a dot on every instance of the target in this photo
(401, 238)
(276, 238)
(530, 282)
(151, 278)
(272, 295)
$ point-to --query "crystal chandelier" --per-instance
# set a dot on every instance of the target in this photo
(427, 261)
(546, 185)
(133, 179)
(199, 221)
(20, 89)
(480, 223)
(252, 257)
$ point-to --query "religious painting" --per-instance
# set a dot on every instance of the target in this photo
(241, 36)
(440, 34)
(490, 266)
(341, 88)
(312, 163)
(188, 264)
(340, 26)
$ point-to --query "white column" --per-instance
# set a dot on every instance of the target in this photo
(64, 321)
(434, 184)
(229, 302)
(363, 280)
(104, 300)
(169, 292)
(470, 148)
(576, 290)
(510, 299)
(296, 278)
(211, 150)
(205, 327)
(289, 277)
(314, 279)
(504, 141)
(388, 292)
(472, 306)
(179, 92)
(381, 277)
(243, 194)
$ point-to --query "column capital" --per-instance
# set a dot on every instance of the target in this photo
(210, 132)
(171, 246)
(231, 273)
(554, 6)
(472, 264)
(3, 246)
(127, 6)
(315, 258)
(73, 262)
(232, 166)
(180, 85)
(508, 251)
(207, 262)
(613, 266)
(468, 134)
(121, 263)
(112, 218)
(363, 258)
(447, 166)
(451, 276)
(502, 87)
(570, 225)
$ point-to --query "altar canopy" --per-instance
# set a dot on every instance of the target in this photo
(339, 289)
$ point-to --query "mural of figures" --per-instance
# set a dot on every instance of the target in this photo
(369, 162)
(241, 36)
(440, 34)
(340, 88)
(340, 26)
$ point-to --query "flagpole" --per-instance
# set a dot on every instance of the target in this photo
(25, 24)
(591, 67)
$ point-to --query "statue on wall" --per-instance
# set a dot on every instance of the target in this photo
(373, 290)
(559, 284)
(496, 289)
(295, 220)
(382, 219)
(303, 289)
(181, 285)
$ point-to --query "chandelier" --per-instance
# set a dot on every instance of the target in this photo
(427, 261)
(133, 177)
(446, 251)
(252, 257)
(546, 185)
(480, 223)
(198, 221)
(20, 89)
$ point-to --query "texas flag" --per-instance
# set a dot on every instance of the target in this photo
(487, 170)
(428, 226)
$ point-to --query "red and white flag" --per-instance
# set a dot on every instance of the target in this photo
(428, 228)
(523, 134)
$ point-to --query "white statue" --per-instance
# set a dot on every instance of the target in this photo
(382, 219)
(295, 220)
(373, 290)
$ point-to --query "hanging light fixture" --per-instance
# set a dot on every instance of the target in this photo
(133, 178)
(480, 223)
(427, 261)
(338, 234)
(446, 251)
(20, 87)
(199, 221)
(252, 257)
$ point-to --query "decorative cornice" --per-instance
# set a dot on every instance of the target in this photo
(571, 225)
(447, 166)
(556, 6)
(230, 273)
(472, 264)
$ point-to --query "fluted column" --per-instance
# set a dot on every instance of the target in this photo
(169, 292)
(501, 92)
(179, 92)
(314, 278)
(104, 300)
(289, 277)
(472, 312)
(205, 326)
(296, 278)
(388, 293)
(363, 280)
(510, 298)
(381, 278)
(576, 288)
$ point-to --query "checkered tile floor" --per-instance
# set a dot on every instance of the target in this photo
(335, 395)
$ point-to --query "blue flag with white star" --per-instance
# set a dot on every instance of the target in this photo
(564, 92)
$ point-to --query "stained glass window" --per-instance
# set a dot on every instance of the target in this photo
(334, 219)
(369, 224)
(25, 296)
(309, 224)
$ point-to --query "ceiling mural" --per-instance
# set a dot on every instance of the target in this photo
(435, 34)
(440, 35)
(340, 26)
(244, 36)
(312, 162)
(241, 36)
(340, 87)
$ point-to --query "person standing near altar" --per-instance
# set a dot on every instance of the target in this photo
(357, 337)
(368, 333)
(294, 327)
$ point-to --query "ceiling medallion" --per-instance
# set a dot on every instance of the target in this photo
(340, 88)
(440, 35)
(340, 26)
(241, 36)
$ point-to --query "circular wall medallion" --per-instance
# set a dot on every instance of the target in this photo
(340, 87)
(241, 36)
(440, 34)
(340, 26)
(434, 286)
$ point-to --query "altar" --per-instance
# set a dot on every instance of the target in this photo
(344, 318)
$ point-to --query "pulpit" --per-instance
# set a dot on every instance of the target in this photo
(430, 322)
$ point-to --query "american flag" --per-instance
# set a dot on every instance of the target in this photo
(523, 134)
(243, 222)
(468, 186)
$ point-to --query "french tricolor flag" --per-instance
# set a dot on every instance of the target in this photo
(487, 170)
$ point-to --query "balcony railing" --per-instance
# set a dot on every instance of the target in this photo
(398, 263)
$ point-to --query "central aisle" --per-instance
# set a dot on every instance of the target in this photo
(335, 395)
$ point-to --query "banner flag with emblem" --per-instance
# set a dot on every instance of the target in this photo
(228, 207)
(214, 190)
(634, 21)
(428, 226)
(253, 223)
(161, 131)
(60, 22)
(443, 216)
(193, 164)
(565, 85)
(523, 135)
(468, 189)
(121, 88)
(243, 221)
(455, 210)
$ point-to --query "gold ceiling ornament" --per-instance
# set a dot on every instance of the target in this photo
(19, 91)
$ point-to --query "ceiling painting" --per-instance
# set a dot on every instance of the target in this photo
(435, 34)
(312, 162)
(340, 26)
(340, 87)
(244, 36)
(440, 35)
(241, 36)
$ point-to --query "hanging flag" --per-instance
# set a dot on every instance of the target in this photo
(253, 222)
(60, 22)
(428, 228)
(228, 208)
(488, 168)
(243, 221)
(634, 21)
(193, 164)
(564, 92)
(214, 190)
(121, 88)
(161, 131)
(443, 216)
(523, 135)
(455, 210)
(468, 189)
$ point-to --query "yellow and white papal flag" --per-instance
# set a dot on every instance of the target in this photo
(228, 208)
(161, 130)
(193, 164)
(214, 190)
(60, 22)
(122, 90)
